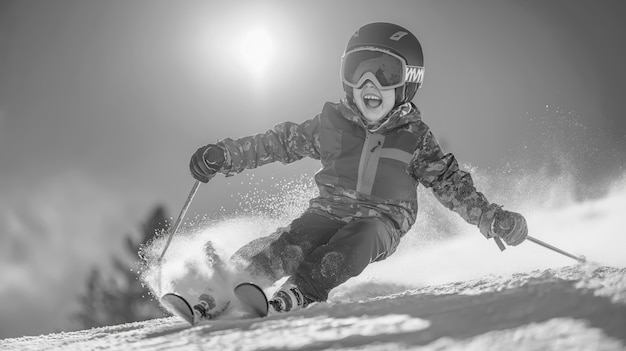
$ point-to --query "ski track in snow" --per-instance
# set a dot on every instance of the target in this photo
(571, 308)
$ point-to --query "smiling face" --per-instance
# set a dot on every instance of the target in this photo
(374, 103)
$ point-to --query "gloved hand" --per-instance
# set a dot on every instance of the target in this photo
(510, 226)
(206, 161)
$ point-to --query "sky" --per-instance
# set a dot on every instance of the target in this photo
(103, 103)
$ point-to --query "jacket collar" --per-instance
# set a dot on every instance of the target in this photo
(403, 114)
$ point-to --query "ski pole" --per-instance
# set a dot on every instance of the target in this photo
(194, 189)
(581, 259)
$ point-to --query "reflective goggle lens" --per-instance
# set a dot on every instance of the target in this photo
(386, 68)
(390, 70)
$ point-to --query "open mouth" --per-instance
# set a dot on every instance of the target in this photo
(372, 101)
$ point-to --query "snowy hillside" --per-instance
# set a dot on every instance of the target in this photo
(435, 293)
(571, 308)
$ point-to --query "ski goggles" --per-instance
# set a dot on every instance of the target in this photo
(384, 68)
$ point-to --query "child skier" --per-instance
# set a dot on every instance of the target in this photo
(375, 150)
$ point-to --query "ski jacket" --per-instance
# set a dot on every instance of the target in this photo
(366, 172)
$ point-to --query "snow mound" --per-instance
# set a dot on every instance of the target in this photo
(571, 308)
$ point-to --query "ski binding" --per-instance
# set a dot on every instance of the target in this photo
(252, 302)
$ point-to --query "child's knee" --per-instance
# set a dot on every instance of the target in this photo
(385, 242)
(374, 235)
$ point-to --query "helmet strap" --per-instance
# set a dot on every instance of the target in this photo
(405, 93)
(349, 93)
(399, 96)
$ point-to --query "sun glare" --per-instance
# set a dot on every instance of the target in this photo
(257, 50)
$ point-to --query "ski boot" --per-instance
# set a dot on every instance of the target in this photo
(289, 298)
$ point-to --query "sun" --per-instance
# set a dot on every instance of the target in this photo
(257, 50)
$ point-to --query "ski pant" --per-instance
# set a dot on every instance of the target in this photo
(318, 253)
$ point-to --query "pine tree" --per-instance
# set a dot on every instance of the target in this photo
(122, 298)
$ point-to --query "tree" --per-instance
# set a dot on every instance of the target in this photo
(122, 298)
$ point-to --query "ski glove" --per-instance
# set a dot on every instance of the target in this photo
(509, 226)
(206, 161)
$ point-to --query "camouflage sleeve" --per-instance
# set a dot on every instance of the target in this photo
(286, 142)
(453, 187)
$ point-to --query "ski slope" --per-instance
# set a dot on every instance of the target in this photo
(570, 308)
(446, 288)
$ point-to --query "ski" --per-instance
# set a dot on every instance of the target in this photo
(251, 299)
(179, 306)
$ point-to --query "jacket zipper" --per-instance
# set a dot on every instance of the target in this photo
(367, 170)
(376, 146)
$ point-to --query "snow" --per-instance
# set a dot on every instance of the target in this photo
(570, 308)
(437, 292)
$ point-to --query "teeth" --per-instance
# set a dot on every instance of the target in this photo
(372, 101)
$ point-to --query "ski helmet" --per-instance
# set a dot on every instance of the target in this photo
(398, 41)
